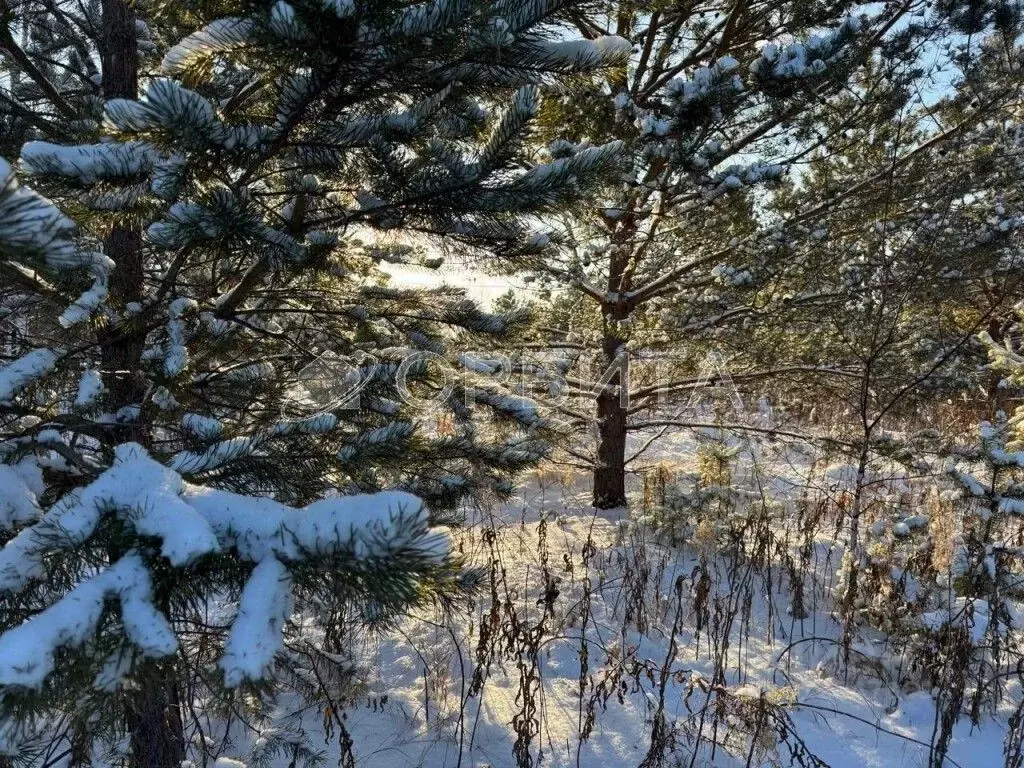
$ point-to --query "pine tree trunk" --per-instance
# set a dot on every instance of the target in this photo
(122, 350)
(851, 587)
(610, 472)
(153, 715)
(154, 720)
(122, 353)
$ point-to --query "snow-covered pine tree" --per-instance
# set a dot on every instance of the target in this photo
(969, 617)
(909, 272)
(169, 450)
(718, 104)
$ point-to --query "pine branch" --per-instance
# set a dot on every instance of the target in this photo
(25, 63)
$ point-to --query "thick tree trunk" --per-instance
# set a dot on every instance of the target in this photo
(154, 721)
(152, 710)
(122, 350)
(122, 353)
(120, 55)
(610, 472)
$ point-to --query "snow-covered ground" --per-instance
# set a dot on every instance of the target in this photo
(506, 683)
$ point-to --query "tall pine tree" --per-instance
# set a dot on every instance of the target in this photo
(720, 104)
(209, 391)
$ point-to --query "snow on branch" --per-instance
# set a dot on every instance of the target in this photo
(553, 176)
(430, 18)
(192, 521)
(25, 370)
(89, 301)
(138, 489)
(181, 114)
(575, 55)
(88, 164)
(365, 527)
(256, 634)
(234, 448)
(510, 128)
(20, 486)
(90, 387)
(30, 225)
(805, 59)
(27, 651)
(388, 529)
(217, 37)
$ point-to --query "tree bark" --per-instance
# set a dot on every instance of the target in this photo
(851, 587)
(122, 351)
(152, 709)
(154, 720)
(610, 471)
(122, 354)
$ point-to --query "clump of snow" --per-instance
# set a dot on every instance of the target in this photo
(114, 671)
(20, 486)
(396, 431)
(251, 372)
(521, 409)
(216, 455)
(90, 387)
(602, 51)
(341, 8)
(283, 21)
(25, 370)
(176, 358)
(479, 364)
(164, 400)
(27, 651)
(962, 611)
(256, 634)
